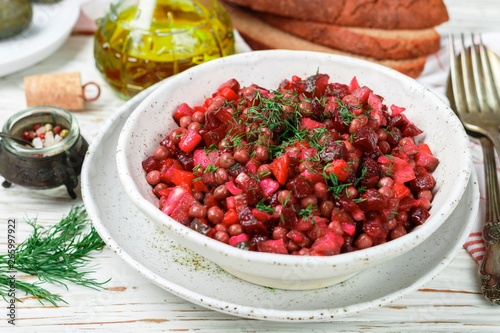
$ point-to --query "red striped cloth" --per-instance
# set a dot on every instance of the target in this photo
(475, 244)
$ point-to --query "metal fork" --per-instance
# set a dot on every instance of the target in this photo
(473, 94)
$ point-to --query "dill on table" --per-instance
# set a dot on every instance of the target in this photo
(57, 254)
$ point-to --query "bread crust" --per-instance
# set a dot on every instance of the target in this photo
(261, 36)
(376, 43)
(381, 14)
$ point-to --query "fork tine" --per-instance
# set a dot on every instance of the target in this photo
(457, 98)
(493, 101)
(478, 71)
(468, 76)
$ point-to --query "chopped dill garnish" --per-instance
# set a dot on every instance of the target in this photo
(57, 255)
(261, 205)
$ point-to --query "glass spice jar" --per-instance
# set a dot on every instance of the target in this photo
(141, 42)
(48, 167)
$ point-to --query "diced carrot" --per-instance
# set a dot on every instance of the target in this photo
(189, 141)
(229, 94)
(182, 110)
(340, 168)
(230, 217)
(279, 168)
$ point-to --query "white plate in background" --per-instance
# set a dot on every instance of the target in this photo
(50, 27)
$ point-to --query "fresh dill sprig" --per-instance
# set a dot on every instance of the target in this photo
(57, 254)
(41, 294)
(261, 205)
(335, 187)
(345, 115)
(307, 213)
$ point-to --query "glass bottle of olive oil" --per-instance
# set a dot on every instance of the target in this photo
(139, 43)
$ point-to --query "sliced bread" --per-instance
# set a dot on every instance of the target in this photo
(262, 36)
(381, 14)
(376, 43)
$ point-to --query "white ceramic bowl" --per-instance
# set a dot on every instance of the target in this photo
(152, 120)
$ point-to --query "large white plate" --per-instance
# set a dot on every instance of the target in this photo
(143, 245)
(50, 27)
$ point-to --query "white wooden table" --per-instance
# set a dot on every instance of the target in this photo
(130, 303)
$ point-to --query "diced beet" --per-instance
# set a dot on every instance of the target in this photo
(201, 158)
(401, 169)
(394, 136)
(231, 202)
(299, 238)
(422, 182)
(235, 170)
(250, 224)
(408, 146)
(400, 190)
(215, 135)
(338, 90)
(371, 173)
(329, 244)
(399, 120)
(365, 139)
(418, 215)
(233, 84)
(376, 230)
(300, 187)
(375, 102)
(308, 124)
(182, 110)
(250, 187)
(313, 176)
(177, 176)
(362, 94)
(317, 108)
(229, 94)
(268, 186)
(316, 85)
(396, 110)
(260, 215)
(186, 159)
(333, 150)
(171, 147)
(349, 228)
(353, 84)
(211, 121)
(341, 216)
(304, 224)
(208, 178)
(177, 204)
(289, 218)
(272, 246)
(235, 190)
(241, 238)
(411, 130)
(373, 200)
(351, 102)
(350, 207)
(253, 165)
(150, 164)
(407, 203)
(224, 115)
(339, 123)
(426, 160)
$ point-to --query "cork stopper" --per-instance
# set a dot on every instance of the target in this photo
(63, 90)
